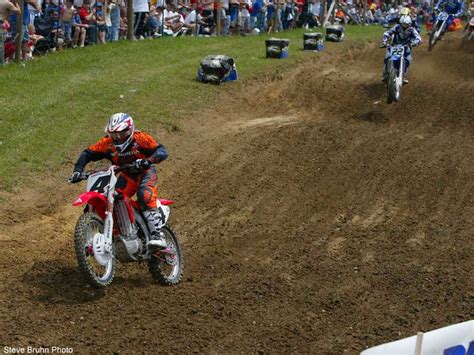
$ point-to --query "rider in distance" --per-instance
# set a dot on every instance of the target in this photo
(454, 8)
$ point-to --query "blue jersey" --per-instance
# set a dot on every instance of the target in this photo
(410, 36)
(452, 7)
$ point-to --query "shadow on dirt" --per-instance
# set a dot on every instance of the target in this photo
(374, 90)
(54, 282)
(372, 117)
(128, 282)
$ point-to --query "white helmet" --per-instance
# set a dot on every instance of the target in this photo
(405, 22)
(120, 128)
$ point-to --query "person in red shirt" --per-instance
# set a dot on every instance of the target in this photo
(87, 15)
(123, 145)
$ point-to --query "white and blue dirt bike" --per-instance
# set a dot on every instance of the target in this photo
(438, 29)
(395, 67)
(112, 227)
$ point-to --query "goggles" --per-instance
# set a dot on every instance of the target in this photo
(119, 136)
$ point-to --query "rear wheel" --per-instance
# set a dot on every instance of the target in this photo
(166, 266)
(99, 274)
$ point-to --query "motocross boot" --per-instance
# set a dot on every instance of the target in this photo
(157, 241)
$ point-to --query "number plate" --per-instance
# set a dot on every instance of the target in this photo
(396, 50)
(442, 16)
(98, 182)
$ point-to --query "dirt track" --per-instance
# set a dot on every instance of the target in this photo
(314, 218)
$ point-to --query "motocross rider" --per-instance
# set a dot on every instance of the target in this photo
(409, 12)
(455, 8)
(402, 33)
(124, 145)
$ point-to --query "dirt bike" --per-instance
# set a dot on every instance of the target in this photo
(394, 72)
(438, 29)
(112, 227)
(468, 33)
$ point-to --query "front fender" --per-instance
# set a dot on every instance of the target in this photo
(95, 199)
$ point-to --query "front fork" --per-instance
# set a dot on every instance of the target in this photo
(102, 243)
(108, 231)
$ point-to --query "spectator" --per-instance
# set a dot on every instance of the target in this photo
(225, 17)
(288, 15)
(100, 22)
(80, 29)
(208, 15)
(108, 21)
(270, 15)
(25, 46)
(257, 17)
(153, 22)
(234, 8)
(34, 9)
(88, 18)
(245, 15)
(7, 8)
(123, 23)
(115, 6)
(173, 22)
(190, 21)
(140, 9)
(66, 21)
(369, 16)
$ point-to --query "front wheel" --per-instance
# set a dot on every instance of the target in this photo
(467, 34)
(166, 266)
(99, 270)
(434, 35)
(393, 90)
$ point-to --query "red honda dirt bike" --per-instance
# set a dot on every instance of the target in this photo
(113, 227)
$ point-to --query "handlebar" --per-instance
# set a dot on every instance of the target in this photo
(117, 169)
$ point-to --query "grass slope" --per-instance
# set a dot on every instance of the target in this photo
(58, 103)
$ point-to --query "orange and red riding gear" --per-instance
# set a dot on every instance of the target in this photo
(142, 181)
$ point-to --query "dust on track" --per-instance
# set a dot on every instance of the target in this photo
(313, 216)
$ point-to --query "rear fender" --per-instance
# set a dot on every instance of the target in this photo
(95, 199)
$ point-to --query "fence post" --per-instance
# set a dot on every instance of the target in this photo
(2, 41)
(19, 32)
(277, 17)
(322, 12)
(219, 15)
(130, 34)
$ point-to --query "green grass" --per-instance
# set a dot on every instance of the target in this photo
(59, 103)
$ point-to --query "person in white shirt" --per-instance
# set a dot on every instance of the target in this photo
(140, 9)
(245, 14)
(225, 16)
(190, 21)
(173, 21)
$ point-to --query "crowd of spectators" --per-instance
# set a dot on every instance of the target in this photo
(58, 24)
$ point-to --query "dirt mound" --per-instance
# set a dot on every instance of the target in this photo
(314, 218)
